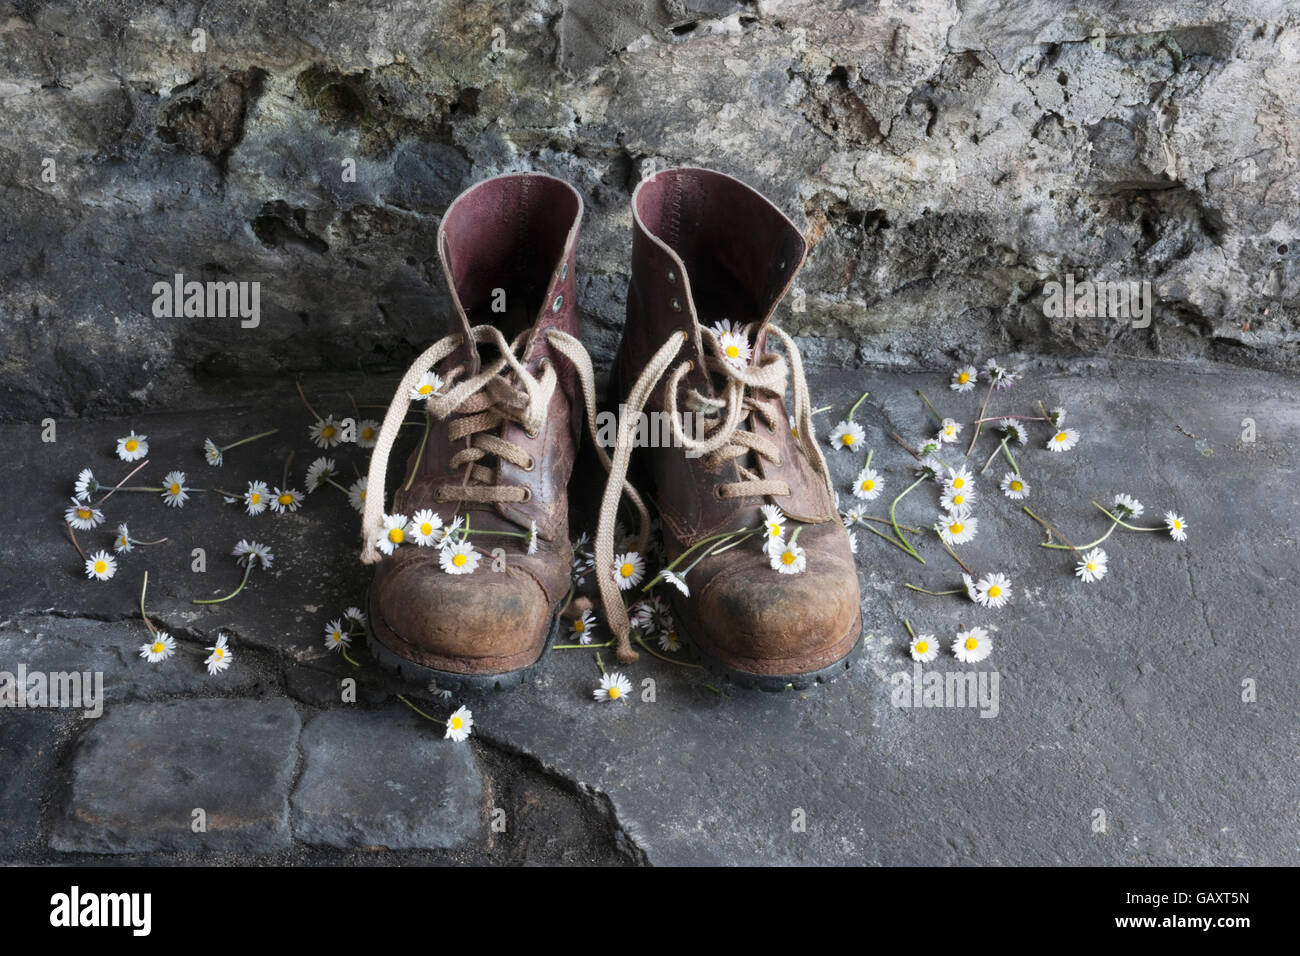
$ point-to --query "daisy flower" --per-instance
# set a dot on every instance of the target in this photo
(133, 447)
(325, 432)
(677, 581)
(459, 558)
(959, 479)
(1056, 416)
(428, 384)
(972, 591)
(101, 566)
(963, 380)
(532, 537)
(249, 553)
(1128, 506)
(670, 641)
(448, 533)
(651, 614)
(735, 349)
(123, 542)
(957, 529)
(972, 646)
(957, 502)
(459, 724)
(220, 657)
(1092, 566)
(868, 485)
(773, 520)
(1014, 487)
(83, 516)
(255, 498)
(285, 499)
(923, 648)
(787, 558)
(367, 432)
(356, 615)
(86, 484)
(1063, 440)
(613, 686)
(319, 472)
(629, 568)
(424, 527)
(1177, 526)
(724, 326)
(1000, 376)
(794, 426)
(853, 542)
(1014, 430)
(994, 590)
(583, 626)
(335, 637)
(948, 431)
(357, 493)
(392, 534)
(160, 648)
(212, 453)
(928, 447)
(847, 435)
(174, 491)
(930, 467)
(853, 515)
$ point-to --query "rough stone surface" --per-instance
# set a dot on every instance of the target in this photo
(945, 159)
(383, 780)
(144, 768)
(27, 748)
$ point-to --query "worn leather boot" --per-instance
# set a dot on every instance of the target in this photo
(501, 392)
(710, 251)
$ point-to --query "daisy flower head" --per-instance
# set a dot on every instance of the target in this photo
(101, 566)
(972, 591)
(1177, 526)
(848, 435)
(319, 472)
(725, 326)
(929, 447)
(123, 542)
(425, 526)
(336, 638)
(963, 380)
(459, 558)
(613, 686)
(367, 433)
(393, 533)
(670, 640)
(1063, 439)
(175, 494)
(998, 375)
(735, 349)
(994, 590)
(1092, 566)
(583, 626)
(448, 533)
(459, 724)
(325, 432)
(1056, 417)
(788, 558)
(133, 447)
(868, 484)
(286, 499)
(160, 648)
(957, 502)
(220, 657)
(257, 497)
(86, 484)
(357, 493)
(773, 521)
(972, 646)
(355, 615)
(677, 580)
(1014, 487)
(794, 426)
(923, 648)
(426, 387)
(651, 614)
(930, 467)
(854, 514)
(957, 529)
(959, 479)
(1014, 430)
(629, 568)
(83, 516)
(949, 430)
(212, 453)
(249, 553)
(1127, 506)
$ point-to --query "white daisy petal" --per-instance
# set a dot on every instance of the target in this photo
(972, 646)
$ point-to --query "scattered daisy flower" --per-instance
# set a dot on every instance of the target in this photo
(1092, 566)
(428, 385)
(847, 435)
(212, 453)
(133, 447)
(670, 641)
(335, 637)
(930, 467)
(459, 724)
(256, 497)
(949, 430)
(957, 529)
(724, 326)
(853, 515)
(972, 591)
(248, 553)
(957, 502)
(853, 542)
(367, 433)
(1176, 525)
(175, 494)
(794, 427)
(86, 484)
(959, 479)
(994, 590)
(583, 626)
(868, 484)
(998, 375)
(83, 516)
(923, 648)
(325, 432)
(788, 558)
(160, 648)
(972, 646)
(101, 566)
(319, 472)
(677, 581)
(425, 526)
(459, 558)
(929, 447)
(613, 686)
(448, 533)
(123, 542)
(773, 521)
(220, 657)
(1128, 506)
(393, 533)
(357, 493)
(285, 499)
(735, 349)
(1063, 440)
(356, 615)
(1014, 487)
(1056, 417)
(963, 380)
(629, 568)
(651, 614)
(1014, 430)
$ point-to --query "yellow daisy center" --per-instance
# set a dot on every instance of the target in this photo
(788, 557)
(959, 482)
(367, 434)
(1061, 436)
(733, 351)
(868, 484)
(1090, 566)
(922, 646)
(995, 591)
(626, 569)
(254, 498)
(219, 654)
(426, 389)
(1016, 486)
(83, 514)
(286, 499)
(157, 647)
(580, 625)
(459, 560)
(327, 431)
(774, 529)
(958, 499)
(1178, 524)
(175, 489)
(971, 643)
(101, 567)
(615, 693)
(963, 378)
(396, 535)
(132, 445)
(457, 723)
(363, 494)
(336, 637)
(956, 528)
(846, 439)
(426, 529)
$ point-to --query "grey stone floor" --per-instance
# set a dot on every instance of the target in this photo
(1121, 734)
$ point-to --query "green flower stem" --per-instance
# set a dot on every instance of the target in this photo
(818, 411)
(1082, 547)
(600, 664)
(505, 534)
(348, 657)
(228, 494)
(1013, 418)
(954, 555)
(1124, 524)
(147, 544)
(581, 647)
(893, 520)
(891, 541)
(979, 421)
(669, 660)
(245, 441)
(908, 624)
(854, 409)
(420, 712)
(328, 481)
(247, 571)
(682, 557)
(145, 488)
(419, 455)
(992, 456)
(303, 396)
(934, 410)
(935, 593)
(147, 623)
(1049, 526)
(723, 547)
(1006, 450)
(905, 527)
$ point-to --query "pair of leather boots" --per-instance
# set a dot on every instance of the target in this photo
(506, 393)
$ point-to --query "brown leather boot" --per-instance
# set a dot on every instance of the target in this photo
(504, 416)
(710, 251)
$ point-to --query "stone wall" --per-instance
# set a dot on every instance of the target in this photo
(947, 160)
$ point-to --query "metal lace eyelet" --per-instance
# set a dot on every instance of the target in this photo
(528, 494)
(672, 276)
(559, 301)
(532, 463)
(564, 271)
(533, 433)
(717, 492)
(675, 305)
